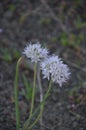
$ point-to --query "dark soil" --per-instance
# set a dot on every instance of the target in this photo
(29, 20)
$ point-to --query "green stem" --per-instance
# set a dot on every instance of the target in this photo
(32, 103)
(16, 95)
(33, 93)
(37, 109)
(45, 97)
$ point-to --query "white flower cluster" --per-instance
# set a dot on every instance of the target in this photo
(35, 52)
(53, 68)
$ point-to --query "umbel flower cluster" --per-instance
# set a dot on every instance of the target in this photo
(35, 52)
(52, 67)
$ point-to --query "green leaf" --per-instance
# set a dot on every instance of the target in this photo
(6, 55)
(16, 54)
(28, 88)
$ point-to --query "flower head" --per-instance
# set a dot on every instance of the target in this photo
(53, 68)
(35, 52)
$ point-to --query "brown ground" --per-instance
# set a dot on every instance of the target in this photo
(29, 20)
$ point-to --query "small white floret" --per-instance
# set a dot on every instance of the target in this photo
(35, 52)
(53, 68)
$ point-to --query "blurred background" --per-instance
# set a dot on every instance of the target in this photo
(59, 25)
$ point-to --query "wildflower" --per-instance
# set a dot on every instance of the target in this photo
(53, 68)
(35, 52)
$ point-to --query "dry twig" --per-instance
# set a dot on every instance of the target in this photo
(75, 66)
(78, 116)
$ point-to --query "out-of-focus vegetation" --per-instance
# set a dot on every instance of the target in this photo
(9, 55)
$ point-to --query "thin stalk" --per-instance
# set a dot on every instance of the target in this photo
(37, 109)
(33, 95)
(41, 92)
(16, 95)
(45, 97)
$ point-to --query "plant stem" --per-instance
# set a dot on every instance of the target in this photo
(16, 95)
(41, 92)
(33, 93)
(42, 107)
